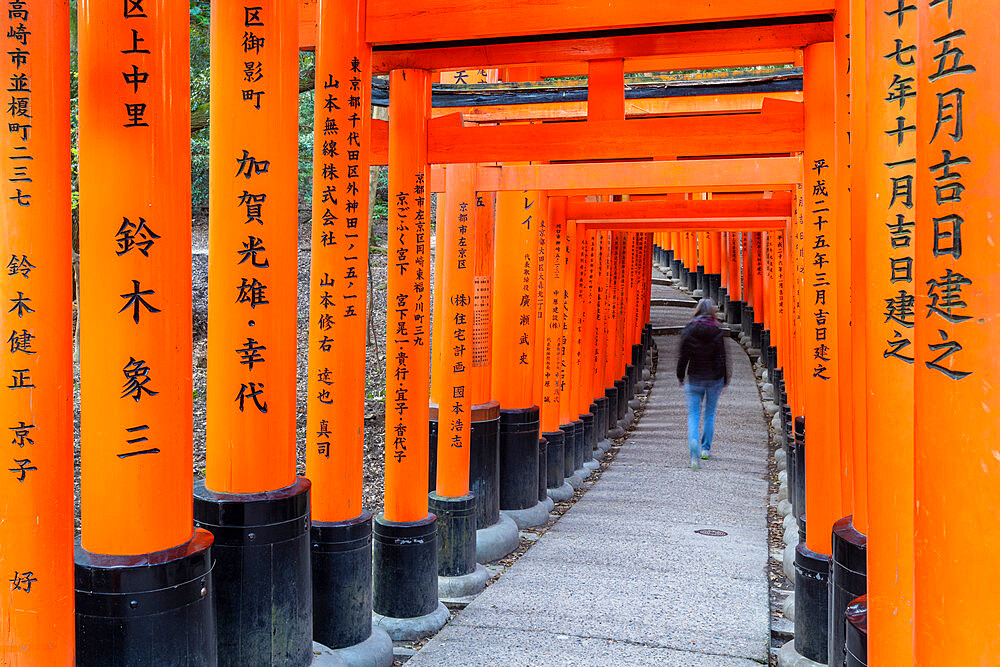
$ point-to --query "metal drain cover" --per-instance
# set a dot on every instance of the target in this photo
(712, 532)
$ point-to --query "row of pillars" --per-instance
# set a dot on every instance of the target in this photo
(539, 335)
(876, 306)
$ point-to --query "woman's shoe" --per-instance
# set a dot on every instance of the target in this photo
(704, 454)
(695, 464)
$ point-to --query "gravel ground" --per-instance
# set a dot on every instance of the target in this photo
(375, 361)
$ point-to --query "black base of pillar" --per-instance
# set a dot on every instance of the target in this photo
(765, 348)
(456, 534)
(848, 581)
(857, 633)
(675, 269)
(405, 582)
(152, 609)
(601, 418)
(629, 377)
(690, 279)
(581, 449)
(569, 449)
(667, 258)
(812, 577)
(734, 312)
(342, 581)
(799, 490)
(755, 334)
(622, 405)
(714, 285)
(556, 459)
(746, 320)
(519, 458)
(543, 469)
(263, 573)
(484, 460)
(700, 280)
(589, 441)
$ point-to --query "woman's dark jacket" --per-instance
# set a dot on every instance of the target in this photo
(703, 352)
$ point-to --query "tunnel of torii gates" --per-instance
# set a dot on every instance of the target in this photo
(845, 224)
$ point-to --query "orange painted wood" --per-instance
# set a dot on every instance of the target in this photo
(654, 177)
(407, 341)
(550, 372)
(890, 351)
(538, 298)
(841, 232)
(693, 209)
(455, 308)
(678, 62)
(955, 416)
(692, 226)
(36, 505)
(135, 187)
(687, 44)
(820, 353)
(634, 108)
(606, 90)
(250, 434)
(338, 274)
(777, 129)
(391, 22)
(517, 221)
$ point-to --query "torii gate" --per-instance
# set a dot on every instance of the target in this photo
(920, 278)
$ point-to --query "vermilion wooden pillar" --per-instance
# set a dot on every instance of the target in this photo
(405, 552)
(135, 327)
(36, 360)
(554, 348)
(956, 368)
(455, 367)
(251, 412)
(820, 355)
(340, 534)
(890, 319)
(338, 282)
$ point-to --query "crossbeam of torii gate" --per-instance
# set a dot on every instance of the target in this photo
(722, 175)
(751, 214)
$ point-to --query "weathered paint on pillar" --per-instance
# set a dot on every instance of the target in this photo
(890, 320)
(820, 342)
(253, 275)
(456, 312)
(36, 360)
(409, 307)
(338, 278)
(514, 292)
(957, 368)
(135, 277)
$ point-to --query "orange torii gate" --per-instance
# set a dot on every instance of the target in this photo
(925, 295)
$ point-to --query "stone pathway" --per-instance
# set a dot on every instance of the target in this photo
(625, 578)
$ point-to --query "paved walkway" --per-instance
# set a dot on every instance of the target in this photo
(623, 578)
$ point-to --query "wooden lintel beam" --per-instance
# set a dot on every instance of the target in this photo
(689, 44)
(687, 224)
(740, 174)
(419, 21)
(777, 129)
(637, 108)
(682, 62)
(672, 208)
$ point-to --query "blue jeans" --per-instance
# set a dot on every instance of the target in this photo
(696, 393)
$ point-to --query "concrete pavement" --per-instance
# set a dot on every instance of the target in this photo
(624, 577)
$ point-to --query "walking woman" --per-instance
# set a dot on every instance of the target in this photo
(703, 359)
